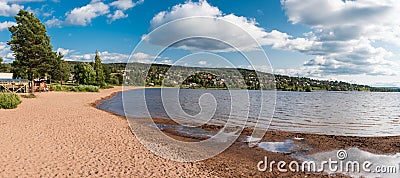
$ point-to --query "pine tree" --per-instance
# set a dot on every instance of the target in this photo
(98, 67)
(31, 46)
(1, 65)
(61, 70)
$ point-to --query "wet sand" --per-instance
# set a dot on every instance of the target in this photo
(62, 134)
(240, 157)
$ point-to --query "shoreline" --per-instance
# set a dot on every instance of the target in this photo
(248, 131)
(244, 159)
(63, 134)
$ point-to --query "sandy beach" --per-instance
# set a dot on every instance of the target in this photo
(61, 134)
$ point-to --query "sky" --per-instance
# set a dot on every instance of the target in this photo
(357, 41)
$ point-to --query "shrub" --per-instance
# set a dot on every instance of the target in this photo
(107, 87)
(59, 88)
(9, 100)
(79, 88)
(88, 88)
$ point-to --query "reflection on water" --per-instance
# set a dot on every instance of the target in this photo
(378, 163)
(192, 131)
(279, 147)
(330, 113)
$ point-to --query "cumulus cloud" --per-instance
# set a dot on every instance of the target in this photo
(118, 14)
(106, 57)
(346, 20)
(222, 30)
(121, 6)
(64, 52)
(203, 63)
(344, 34)
(5, 25)
(6, 53)
(54, 22)
(84, 15)
(111, 57)
(342, 39)
(9, 10)
(125, 4)
(144, 58)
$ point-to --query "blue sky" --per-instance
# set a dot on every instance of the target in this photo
(355, 41)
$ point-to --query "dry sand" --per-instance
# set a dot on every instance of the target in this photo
(61, 134)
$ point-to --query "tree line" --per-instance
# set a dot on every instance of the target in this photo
(35, 58)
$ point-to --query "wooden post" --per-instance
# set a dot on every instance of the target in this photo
(33, 84)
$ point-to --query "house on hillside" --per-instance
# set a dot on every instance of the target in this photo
(8, 84)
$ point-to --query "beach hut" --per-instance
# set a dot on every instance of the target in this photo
(8, 84)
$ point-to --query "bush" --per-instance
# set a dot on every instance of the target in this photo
(107, 87)
(88, 88)
(79, 88)
(9, 100)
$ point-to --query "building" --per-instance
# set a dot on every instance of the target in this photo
(8, 84)
(6, 75)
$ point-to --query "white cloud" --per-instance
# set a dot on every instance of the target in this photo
(113, 57)
(9, 10)
(5, 25)
(235, 30)
(166, 61)
(64, 52)
(203, 63)
(346, 20)
(122, 6)
(344, 35)
(106, 57)
(54, 22)
(84, 15)
(6, 53)
(143, 58)
(118, 14)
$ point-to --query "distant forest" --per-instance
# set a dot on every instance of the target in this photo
(139, 74)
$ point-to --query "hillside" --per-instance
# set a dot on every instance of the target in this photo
(234, 78)
(220, 78)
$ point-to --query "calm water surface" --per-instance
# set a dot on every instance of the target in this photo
(320, 112)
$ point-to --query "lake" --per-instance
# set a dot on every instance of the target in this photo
(318, 112)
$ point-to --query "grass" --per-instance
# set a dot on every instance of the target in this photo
(79, 88)
(9, 101)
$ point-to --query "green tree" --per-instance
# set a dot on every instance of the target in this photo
(98, 67)
(85, 74)
(107, 73)
(31, 46)
(61, 70)
(2, 67)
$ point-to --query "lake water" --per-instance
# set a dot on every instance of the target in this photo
(319, 112)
